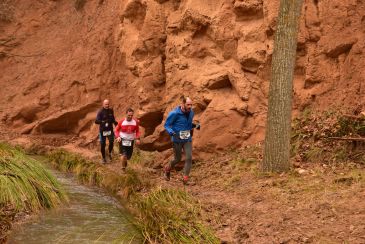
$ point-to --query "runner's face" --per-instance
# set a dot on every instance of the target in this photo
(188, 105)
(129, 116)
(106, 104)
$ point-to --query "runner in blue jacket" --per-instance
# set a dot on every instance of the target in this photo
(179, 125)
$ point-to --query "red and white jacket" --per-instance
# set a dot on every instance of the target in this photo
(127, 129)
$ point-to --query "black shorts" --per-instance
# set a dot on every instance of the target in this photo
(126, 150)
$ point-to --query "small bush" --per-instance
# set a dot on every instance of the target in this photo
(314, 134)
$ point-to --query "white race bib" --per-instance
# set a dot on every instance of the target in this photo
(126, 143)
(107, 133)
(184, 134)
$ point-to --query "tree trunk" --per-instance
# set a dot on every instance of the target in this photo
(278, 125)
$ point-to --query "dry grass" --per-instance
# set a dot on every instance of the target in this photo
(310, 135)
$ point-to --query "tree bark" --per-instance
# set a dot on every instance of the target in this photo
(278, 125)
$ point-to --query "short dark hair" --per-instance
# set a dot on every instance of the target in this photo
(130, 110)
(183, 99)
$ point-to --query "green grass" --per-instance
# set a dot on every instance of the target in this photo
(169, 216)
(25, 186)
(92, 173)
(163, 216)
(313, 153)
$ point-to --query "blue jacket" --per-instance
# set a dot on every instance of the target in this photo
(178, 121)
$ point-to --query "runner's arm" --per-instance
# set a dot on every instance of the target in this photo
(138, 133)
(117, 128)
(98, 119)
(197, 126)
(168, 124)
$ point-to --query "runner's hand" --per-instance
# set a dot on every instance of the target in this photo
(138, 141)
(119, 139)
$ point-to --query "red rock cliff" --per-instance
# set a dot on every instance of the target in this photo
(59, 59)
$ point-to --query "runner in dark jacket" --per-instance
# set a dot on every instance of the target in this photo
(105, 119)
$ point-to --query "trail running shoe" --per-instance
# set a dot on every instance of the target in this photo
(167, 173)
(185, 179)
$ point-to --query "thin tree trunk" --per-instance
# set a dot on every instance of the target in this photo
(278, 125)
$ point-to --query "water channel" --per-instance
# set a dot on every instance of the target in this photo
(91, 216)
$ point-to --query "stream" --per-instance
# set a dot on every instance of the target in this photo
(91, 216)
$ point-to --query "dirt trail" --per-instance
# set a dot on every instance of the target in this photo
(321, 204)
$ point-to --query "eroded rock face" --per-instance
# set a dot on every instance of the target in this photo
(58, 63)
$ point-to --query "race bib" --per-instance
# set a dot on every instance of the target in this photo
(126, 143)
(184, 134)
(107, 133)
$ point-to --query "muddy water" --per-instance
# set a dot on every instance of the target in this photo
(90, 217)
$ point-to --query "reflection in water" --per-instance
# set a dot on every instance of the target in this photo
(90, 217)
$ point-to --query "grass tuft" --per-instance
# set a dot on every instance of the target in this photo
(92, 173)
(25, 186)
(170, 216)
(163, 216)
(24, 183)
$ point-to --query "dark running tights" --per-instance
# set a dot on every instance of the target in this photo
(102, 147)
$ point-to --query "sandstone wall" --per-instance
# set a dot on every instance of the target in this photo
(60, 59)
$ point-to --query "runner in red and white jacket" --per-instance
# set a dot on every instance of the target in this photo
(126, 132)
